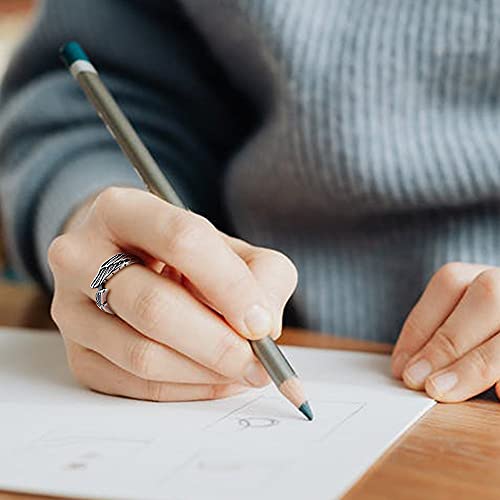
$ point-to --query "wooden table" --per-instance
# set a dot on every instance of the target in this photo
(452, 452)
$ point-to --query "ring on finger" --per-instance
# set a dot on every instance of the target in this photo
(106, 271)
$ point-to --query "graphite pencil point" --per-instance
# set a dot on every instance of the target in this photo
(305, 409)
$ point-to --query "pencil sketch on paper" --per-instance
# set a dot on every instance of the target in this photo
(77, 452)
(260, 422)
(57, 439)
(213, 466)
(254, 417)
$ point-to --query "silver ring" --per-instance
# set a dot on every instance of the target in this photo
(107, 270)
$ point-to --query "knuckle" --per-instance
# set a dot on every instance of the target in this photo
(482, 363)
(226, 354)
(448, 343)
(450, 275)
(142, 358)
(62, 253)
(412, 327)
(212, 392)
(109, 197)
(236, 285)
(77, 365)
(217, 391)
(71, 356)
(286, 267)
(489, 284)
(106, 202)
(220, 391)
(150, 306)
(185, 233)
(157, 391)
(56, 311)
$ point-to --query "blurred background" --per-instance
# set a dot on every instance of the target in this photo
(21, 304)
(14, 17)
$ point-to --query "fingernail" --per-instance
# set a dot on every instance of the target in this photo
(255, 375)
(258, 321)
(444, 382)
(399, 363)
(417, 373)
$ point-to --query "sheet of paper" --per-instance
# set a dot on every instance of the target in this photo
(57, 438)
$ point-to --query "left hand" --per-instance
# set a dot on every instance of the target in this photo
(450, 342)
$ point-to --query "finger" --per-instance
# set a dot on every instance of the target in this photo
(472, 374)
(166, 312)
(442, 294)
(475, 319)
(163, 311)
(81, 322)
(194, 247)
(97, 373)
(75, 257)
(275, 273)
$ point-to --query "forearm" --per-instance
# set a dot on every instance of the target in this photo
(55, 152)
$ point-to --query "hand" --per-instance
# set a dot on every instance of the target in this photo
(450, 342)
(182, 318)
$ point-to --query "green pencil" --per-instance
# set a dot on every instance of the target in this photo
(74, 57)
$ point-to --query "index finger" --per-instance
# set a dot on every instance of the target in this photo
(189, 243)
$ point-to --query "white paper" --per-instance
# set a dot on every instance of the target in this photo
(57, 438)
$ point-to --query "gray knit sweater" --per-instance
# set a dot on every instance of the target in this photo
(360, 137)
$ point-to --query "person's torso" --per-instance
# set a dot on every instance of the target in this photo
(378, 156)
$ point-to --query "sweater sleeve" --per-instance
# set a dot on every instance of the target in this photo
(55, 152)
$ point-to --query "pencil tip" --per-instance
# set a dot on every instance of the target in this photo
(305, 409)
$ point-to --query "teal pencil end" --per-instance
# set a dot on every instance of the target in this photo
(306, 410)
(71, 52)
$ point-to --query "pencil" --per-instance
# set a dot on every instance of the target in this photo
(79, 65)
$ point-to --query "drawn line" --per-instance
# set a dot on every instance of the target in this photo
(257, 422)
(227, 415)
(179, 467)
(343, 421)
(329, 401)
(87, 441)
(52, 437)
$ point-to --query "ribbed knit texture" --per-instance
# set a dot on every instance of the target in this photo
(376, 158)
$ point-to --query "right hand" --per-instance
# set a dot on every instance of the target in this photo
(182, 318)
